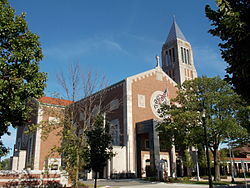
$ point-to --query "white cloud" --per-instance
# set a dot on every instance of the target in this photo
(144, 39)
(113, 45)
(83, 47)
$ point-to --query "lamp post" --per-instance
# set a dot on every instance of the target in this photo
(207, 151)
(231, 163)
(197, 165)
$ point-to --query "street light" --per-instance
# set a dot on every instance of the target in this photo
(207, 151)
(197, 165)
(231, 163)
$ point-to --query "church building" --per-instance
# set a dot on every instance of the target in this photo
(133, 105)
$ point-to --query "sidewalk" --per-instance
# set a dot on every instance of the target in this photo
(139, 183)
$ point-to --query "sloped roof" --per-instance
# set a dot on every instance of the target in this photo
(245, 149)
(55, 101)
(239, 159)
(175, 32)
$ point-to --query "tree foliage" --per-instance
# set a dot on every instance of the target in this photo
(5, 164)
(99, 148)
(20, 79)
(231, 23)
(3, 149)
(72, 150)
(182, 119)
(202, 158)
(78, 117)
(187, 159)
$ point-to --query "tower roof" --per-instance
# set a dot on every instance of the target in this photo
(175, 32)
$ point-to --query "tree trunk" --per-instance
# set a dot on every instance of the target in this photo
(216, 165)
(95, 180)
(77, 169)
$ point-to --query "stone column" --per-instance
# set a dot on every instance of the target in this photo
(237, 168)
(109, 169)
(228, 171)
(246, 163)
(152, 154)
(21, 160)
(138, 152)
(14, 162)
(156, 149)
(173, 162)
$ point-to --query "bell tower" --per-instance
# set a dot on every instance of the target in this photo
(177, 56)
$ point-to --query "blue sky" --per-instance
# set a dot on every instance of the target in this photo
(117, 38)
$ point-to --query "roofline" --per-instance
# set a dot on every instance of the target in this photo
(96, 93)
(176, 31)
(151, 71)
(55, 105)
(49, 104)
(125, 80)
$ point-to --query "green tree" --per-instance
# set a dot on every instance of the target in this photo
(20, 79)
(72, 150)
(221, 105)
(202, 159)
(99, 149)
(187, 161)
(78, 117)
(5, 164)
(223, 156)
(3, 150)
(244, 119)
(231, 23)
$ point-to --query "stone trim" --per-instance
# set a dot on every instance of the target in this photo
(130, 131)
(151, 73)
(38, 140)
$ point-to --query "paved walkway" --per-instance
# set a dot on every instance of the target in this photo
(138, 183)
(164, 185)
(118, 182)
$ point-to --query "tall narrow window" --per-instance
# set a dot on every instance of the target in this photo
(182, 55)
(185, 55)
(170, 56)
(173, 54)
(167, 58)
(147, 146)
(188, 58)
(115, 132)
(30, 147)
